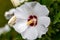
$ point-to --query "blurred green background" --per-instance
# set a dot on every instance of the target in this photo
(54, 28)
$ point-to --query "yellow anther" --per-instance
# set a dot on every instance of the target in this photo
(11, 22)
(29, 22)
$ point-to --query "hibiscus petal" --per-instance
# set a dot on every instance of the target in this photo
(45, 21)
(6, 15)
(15, 2)
(6, 28)
(41, 10)
(23, 11)
(9, 13)
(31, 4)
(20, 26)
(30, 39)
(41, 30)
(30, 33)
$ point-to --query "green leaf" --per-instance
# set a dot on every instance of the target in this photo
(47, 2)
(57, 18)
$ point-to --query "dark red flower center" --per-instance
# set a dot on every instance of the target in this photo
(34, 23)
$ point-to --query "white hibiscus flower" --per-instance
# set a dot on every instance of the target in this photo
(31, 20)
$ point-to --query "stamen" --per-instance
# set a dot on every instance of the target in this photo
(12, 21)
(32, 20)
(29, 22)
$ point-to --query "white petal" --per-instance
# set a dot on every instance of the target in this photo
(30, 33)
(15, 2)
(11, 11)
(41, 30)
(31, 4)
(26, 0)
(23, 11)
(21, 1)
(45, 21)
(9, 14)
(30, 39)
(1, 31)
(6, 28)
(41, 10)
(20, 26)
(6, 15)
